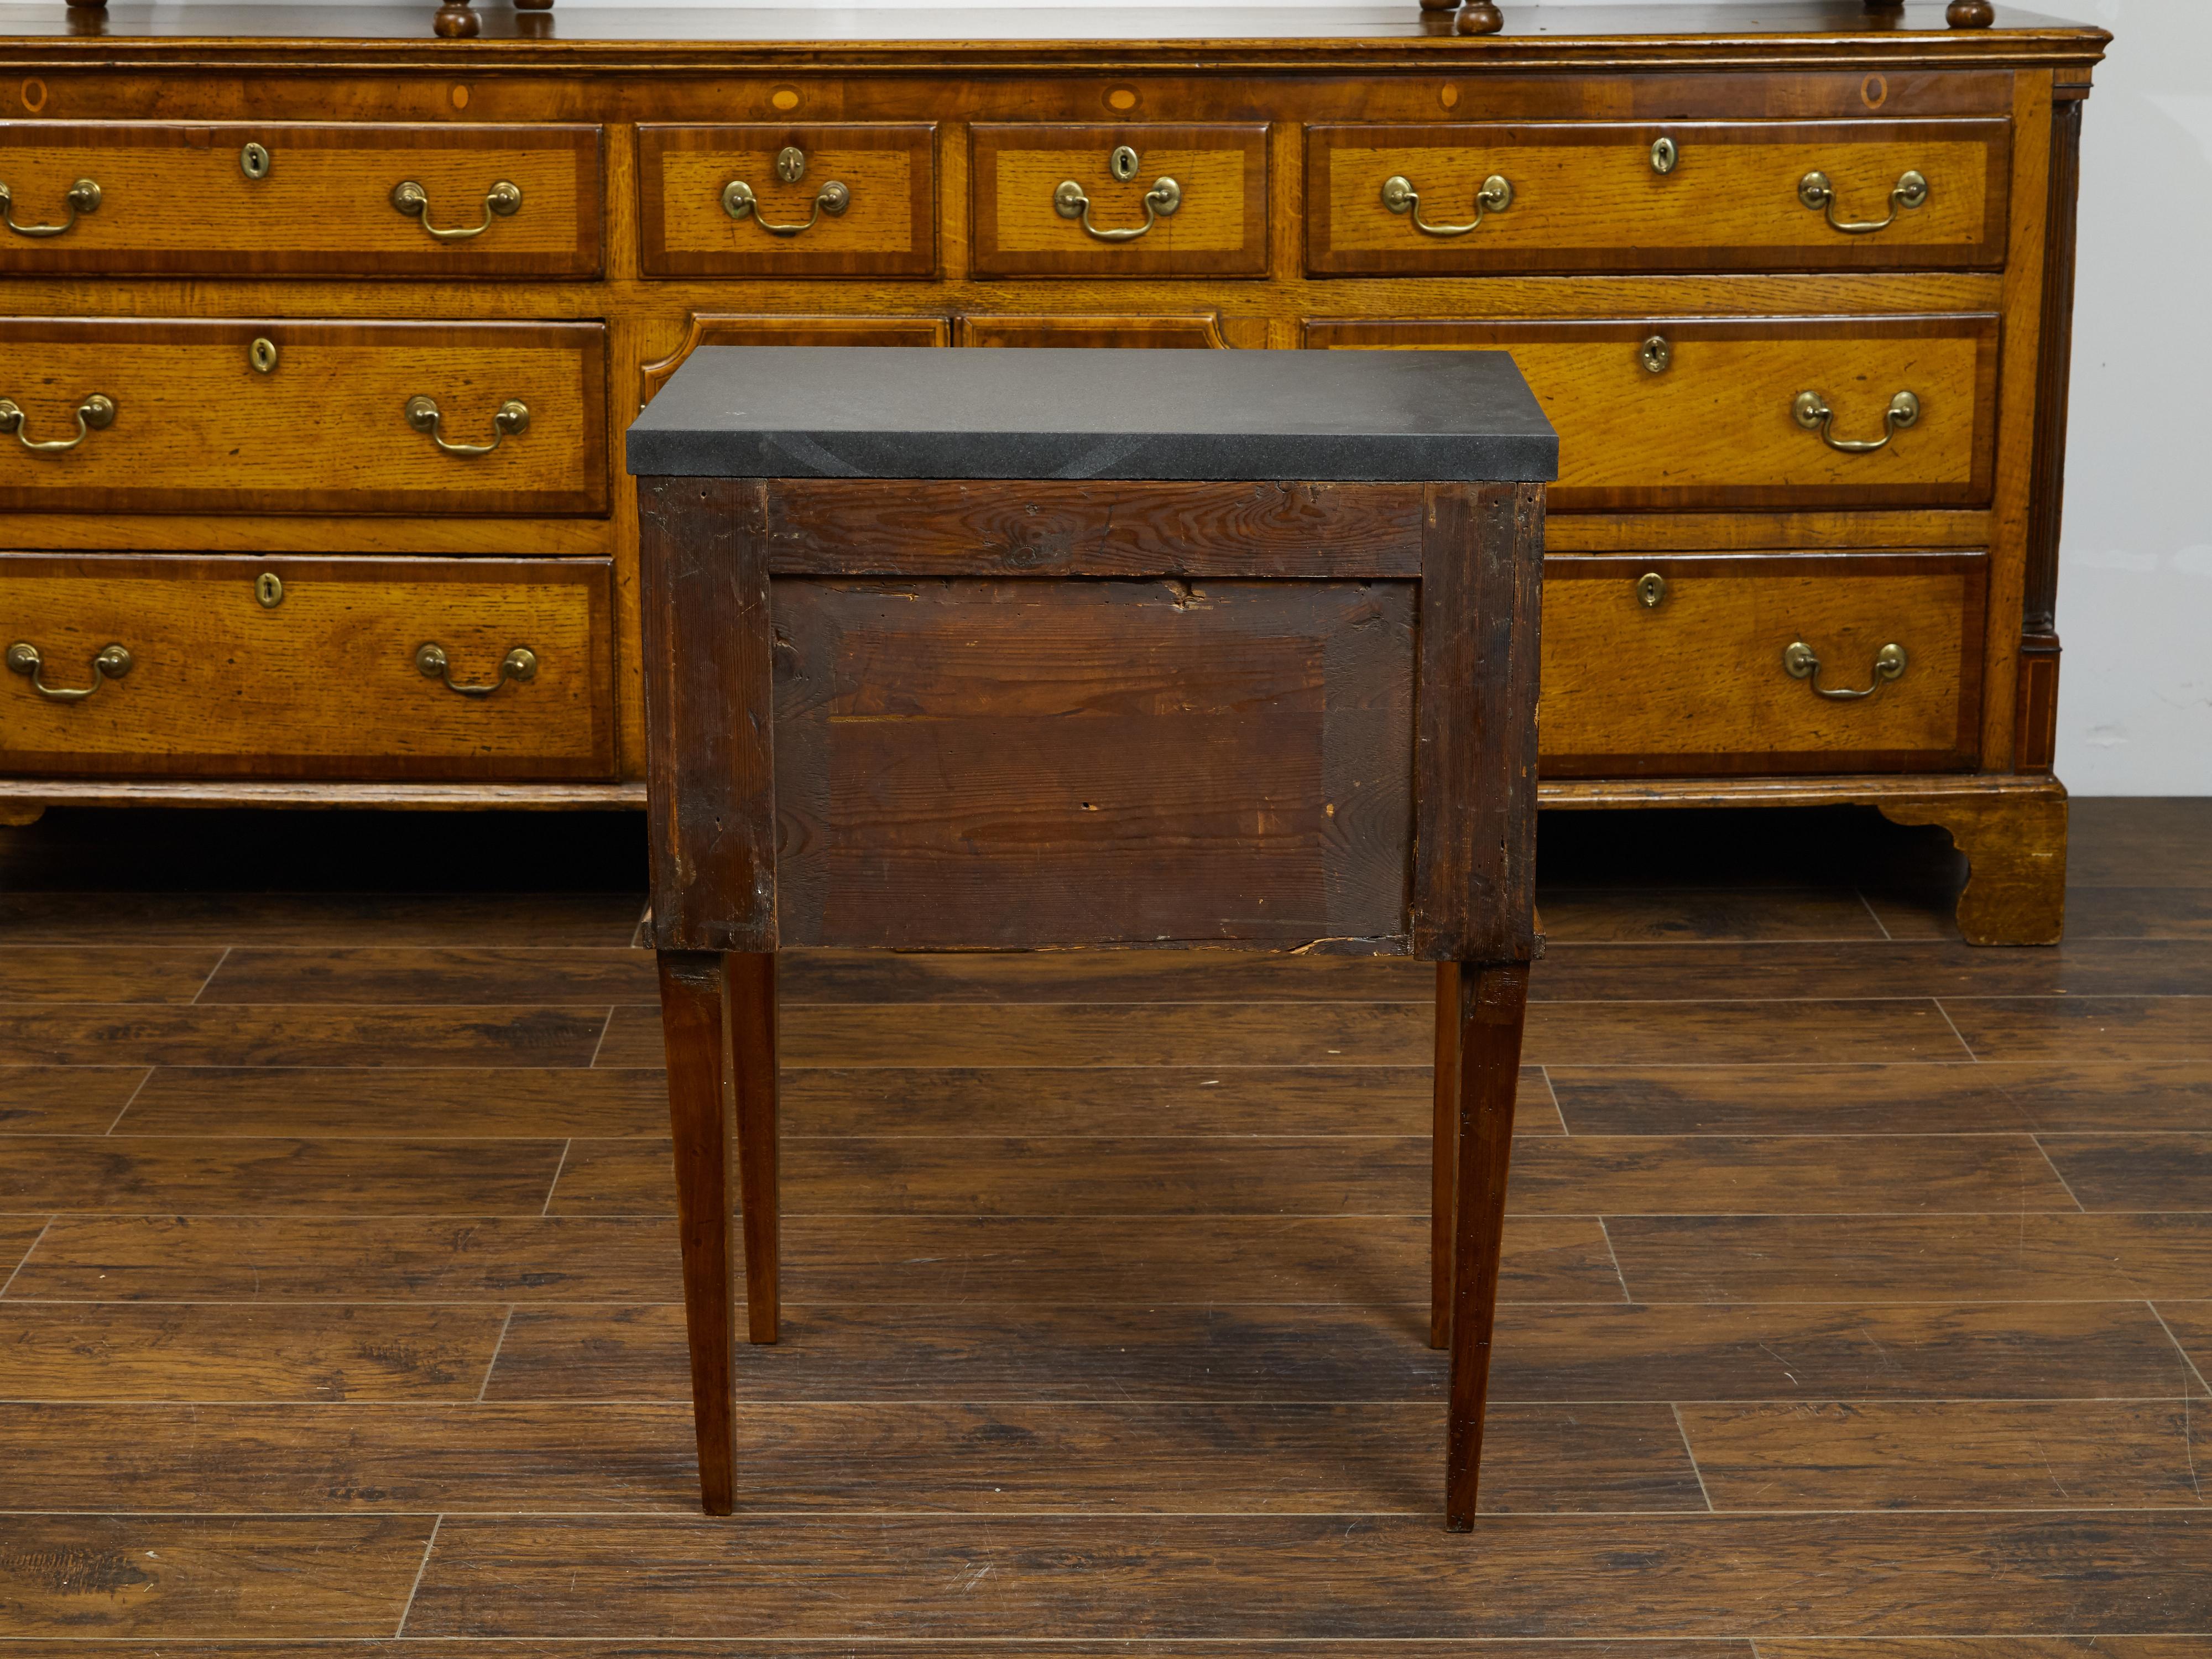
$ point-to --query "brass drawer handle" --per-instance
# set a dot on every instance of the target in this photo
(1811, 411)
(432, 663)
(1399, 197)
(1161, 201)
(95, 414)
(112, 664)
(1799, 664)
(511, 420)
(503, 200)
(739, 201)
(83, 197)
(1814, 190)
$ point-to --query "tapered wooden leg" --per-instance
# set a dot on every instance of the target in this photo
(752, 1003)
(1493, 1004)
(696, 1027)
(1444, 1181)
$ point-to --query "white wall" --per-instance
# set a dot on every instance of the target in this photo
(2135, 594)
(2135, 587)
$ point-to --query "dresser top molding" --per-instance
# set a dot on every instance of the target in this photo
(1801, 34)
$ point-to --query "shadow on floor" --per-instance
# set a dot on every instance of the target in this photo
(157, 850)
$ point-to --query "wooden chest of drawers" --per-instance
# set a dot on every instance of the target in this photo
(359, 316)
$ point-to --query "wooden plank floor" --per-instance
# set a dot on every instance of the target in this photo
(1857, 1291)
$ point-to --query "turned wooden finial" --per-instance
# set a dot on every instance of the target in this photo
(1480, 18)
(1970, 13)
(455, 22)
(1438, 5)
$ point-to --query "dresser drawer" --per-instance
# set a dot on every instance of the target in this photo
(1120, 201)
(176, 416)
(273, 198)
(256, 667)
(851, 200)
(1589, 195)
(1681, 412)
(1848, 662)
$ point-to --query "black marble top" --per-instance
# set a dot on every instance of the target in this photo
(894, 412)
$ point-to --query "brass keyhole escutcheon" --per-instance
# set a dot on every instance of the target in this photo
(269, 590)
(1651, 589)
(1664, 155)
(1655, 354)
(1122, 163)
(253, 161)
(791, 164)
(262, 354)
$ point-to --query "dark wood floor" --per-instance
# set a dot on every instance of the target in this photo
(1859, 1283)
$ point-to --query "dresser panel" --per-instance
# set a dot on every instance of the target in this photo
(344, 417)
(1592, 196)
(1789, 662)
(243, 667)
(1685, 412)
(275, 198)
(760, 200)
(1120, 201)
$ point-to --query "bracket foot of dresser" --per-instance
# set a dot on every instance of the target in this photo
(2012, 829)
(2016, 846)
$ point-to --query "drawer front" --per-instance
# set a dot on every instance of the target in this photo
(1193, 203)
(1704, 662)
(1589, 195)
(257, 667)
(851, 200)
(1681, 412)
(194, 200)
(710, 330)
(194, 424)
(1199, 331)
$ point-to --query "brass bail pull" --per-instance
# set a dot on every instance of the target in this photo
(94, 414)
(740, 204)
(1814, 190)
(112, 664)
(1161, 201)
(83, 197)
(503, 200)
(1799, 662)
(511, 420)
(432, 663)
(1495, 197)
(1810, 410)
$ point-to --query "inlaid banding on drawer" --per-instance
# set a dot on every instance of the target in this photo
(1646, 196)
(276, 199)
(1711, 416)
(852, 199)
(285, 667)
(1791, 662)
(506, 418)
(1053, 200)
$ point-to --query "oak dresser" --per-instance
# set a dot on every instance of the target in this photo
(319, 327)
